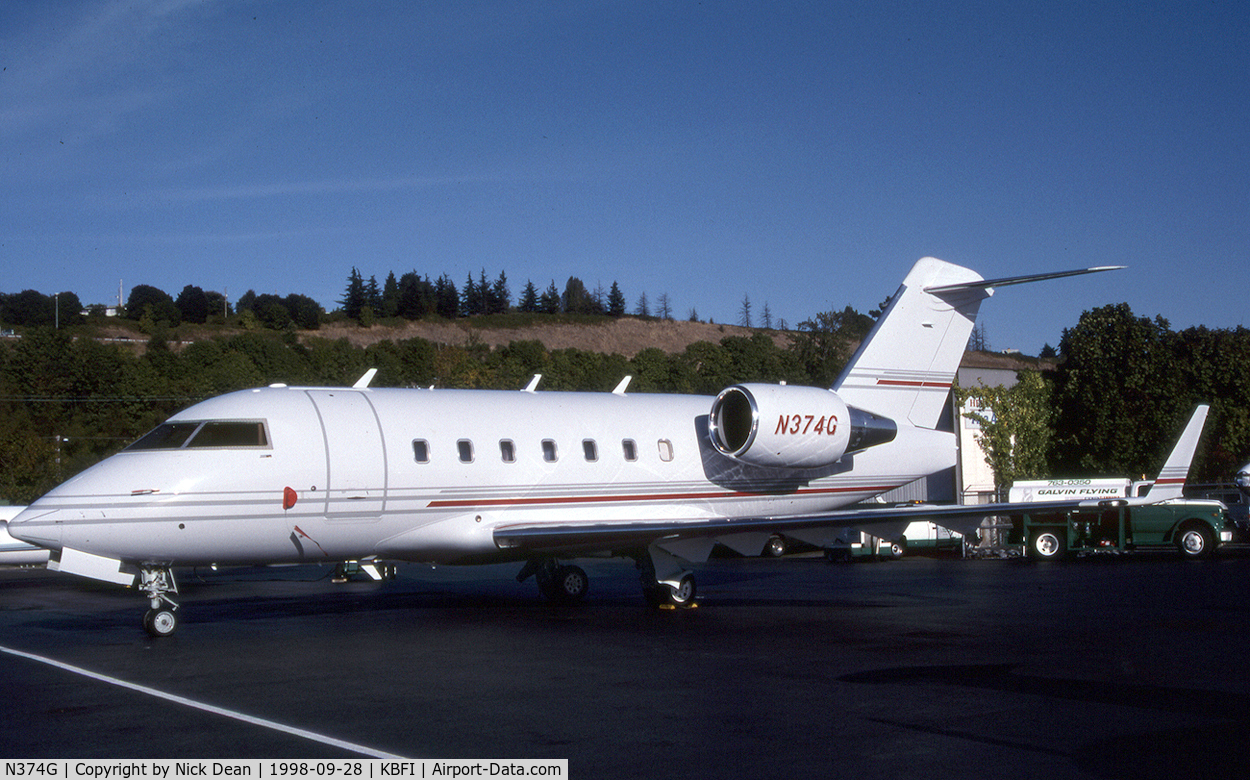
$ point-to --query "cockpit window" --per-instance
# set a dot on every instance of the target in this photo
(200, 435)
(220, 433)
(168, 436)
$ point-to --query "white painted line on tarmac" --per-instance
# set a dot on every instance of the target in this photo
(262, 722)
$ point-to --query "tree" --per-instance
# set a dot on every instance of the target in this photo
(666, 308)
(373, 295)
(446, 299)
(642, 309)
(151, 302)
(744, 314)
(500, 296)
(29, 309)
(529, 299)
(416, 296)
(577, 299)
(304, 311)
(549, 301)
(390, 296)
(192, 304)
(1119, 394)
(355, 298)
(616, 301)
(822, 345)
(1015, 427)
(470, 298)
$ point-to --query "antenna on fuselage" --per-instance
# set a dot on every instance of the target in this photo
(533, 385)
(364, 381)
(620, 389)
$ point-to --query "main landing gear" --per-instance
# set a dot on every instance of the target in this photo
(561, 583)
(162, 619)
(665, 584)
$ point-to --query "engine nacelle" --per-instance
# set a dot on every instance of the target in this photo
(792, 427)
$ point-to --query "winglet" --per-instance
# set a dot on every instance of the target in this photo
(1171, 480)
(364, 380)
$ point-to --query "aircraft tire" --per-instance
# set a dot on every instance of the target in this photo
(683, 595)
(776, 547)
(571, 584)
(160, 622)
(1195, 541)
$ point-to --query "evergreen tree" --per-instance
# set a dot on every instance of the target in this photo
(390, 296)
(469, 298)
(549, 301)
(529, 299)
(616, 301)
(355, 298)
(576, 299)
(373, 295)
(446, 299)
(642, 309)
(500, 295)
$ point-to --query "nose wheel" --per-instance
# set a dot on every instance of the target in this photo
(161, 619)
(160, 622)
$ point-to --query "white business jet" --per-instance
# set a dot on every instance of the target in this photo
(299, 474)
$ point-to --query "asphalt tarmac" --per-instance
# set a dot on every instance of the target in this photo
(1127, 666)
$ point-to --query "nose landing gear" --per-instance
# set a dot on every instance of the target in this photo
(161, 619)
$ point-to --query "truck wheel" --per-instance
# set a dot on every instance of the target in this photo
(1045, 545)
(1195, 541)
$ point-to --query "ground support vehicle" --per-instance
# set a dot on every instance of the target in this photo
(1194, 527)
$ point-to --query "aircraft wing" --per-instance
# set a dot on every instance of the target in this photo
(886, 522)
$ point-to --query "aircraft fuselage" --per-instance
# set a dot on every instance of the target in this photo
(287, 474)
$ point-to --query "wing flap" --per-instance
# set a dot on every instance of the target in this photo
(884, 522)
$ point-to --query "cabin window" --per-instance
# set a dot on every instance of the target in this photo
(630, 449)
(421, 450)
(591, 450)
(465, 448)
(507, 451)
(549, 450)
(666, 450)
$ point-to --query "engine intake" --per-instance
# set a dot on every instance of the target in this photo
(792, 427)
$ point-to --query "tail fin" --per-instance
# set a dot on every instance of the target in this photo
(905, 367)
(1171, 480)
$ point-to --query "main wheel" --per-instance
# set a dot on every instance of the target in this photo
(1045, 545)
(571, 583)
(1195, 541)
(683, 595)
(160, 622)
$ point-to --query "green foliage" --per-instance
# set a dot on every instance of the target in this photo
(1119, 394)
(1015, 427)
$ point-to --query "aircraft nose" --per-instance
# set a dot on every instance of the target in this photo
(36, 526)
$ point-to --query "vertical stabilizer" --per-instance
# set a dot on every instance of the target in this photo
(904, 369)
(1171, 480)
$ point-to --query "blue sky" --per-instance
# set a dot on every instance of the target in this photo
(802, 155)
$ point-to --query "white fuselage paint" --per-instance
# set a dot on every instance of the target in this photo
(348, 456)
